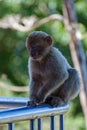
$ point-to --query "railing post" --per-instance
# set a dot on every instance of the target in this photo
(61, 122)
(39, 124)
(32, 124)
(11, 126)
(52, 123)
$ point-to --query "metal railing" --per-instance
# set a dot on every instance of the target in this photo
(21, 113)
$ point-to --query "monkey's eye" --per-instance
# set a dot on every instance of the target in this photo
(32, 46)
(36, 47)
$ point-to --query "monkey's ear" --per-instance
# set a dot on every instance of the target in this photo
(49, 40)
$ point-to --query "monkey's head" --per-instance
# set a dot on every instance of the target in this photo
(39, 44)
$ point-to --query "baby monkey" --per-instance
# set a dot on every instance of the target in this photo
(52, 79)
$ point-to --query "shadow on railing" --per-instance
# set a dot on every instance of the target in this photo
(21, 113)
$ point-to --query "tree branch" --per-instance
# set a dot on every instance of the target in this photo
(14, 88)
(77, 51)
(28, 23)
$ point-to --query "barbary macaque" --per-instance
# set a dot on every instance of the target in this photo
(52, 79)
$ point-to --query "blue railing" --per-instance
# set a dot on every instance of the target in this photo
(21, 113)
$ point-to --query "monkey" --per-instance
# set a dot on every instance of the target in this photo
(52, 79)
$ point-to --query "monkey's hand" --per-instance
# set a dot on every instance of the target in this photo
(34, 102)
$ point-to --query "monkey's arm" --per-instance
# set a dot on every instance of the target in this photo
(54, 83)
(34, 88)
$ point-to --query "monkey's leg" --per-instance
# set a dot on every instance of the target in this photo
(67, 91)
(54, 101)
(71, 85)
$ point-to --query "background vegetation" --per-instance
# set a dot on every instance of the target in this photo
(13, 53)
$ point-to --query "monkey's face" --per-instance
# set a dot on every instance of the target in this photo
(39, 45)
(36, 52)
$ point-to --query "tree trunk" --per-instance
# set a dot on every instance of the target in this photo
(77, 51)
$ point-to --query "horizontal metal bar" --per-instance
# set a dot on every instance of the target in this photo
(25, 113)
(7, 102)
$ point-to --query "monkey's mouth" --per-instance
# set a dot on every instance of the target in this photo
(38, 58)
(36, 55)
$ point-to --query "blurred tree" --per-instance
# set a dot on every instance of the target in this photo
(77, 52)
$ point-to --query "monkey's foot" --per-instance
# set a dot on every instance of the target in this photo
(57, 101)
(34, 103)
(31, 103)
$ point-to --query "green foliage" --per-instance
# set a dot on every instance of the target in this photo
(29, 7)
(74, 123)
(13, 56)
(81, 8)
